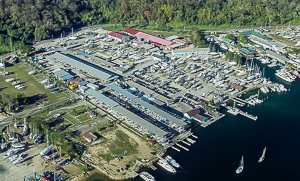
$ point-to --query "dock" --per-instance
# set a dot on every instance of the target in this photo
(236, 111)
(194, 136)
(251, 97)
(241, 101)
(152, 166)
(175, 148)
(182, 146)
(186, 143)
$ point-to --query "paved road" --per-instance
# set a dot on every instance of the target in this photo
(71, 107)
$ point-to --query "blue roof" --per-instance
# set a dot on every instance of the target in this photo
(82, 53)
(102, 98)
(67, 77)
(121, 91)
(83, 83)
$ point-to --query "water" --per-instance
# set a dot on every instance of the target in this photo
(219, 147)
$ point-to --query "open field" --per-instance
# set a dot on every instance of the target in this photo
(70, 119)
(33, 87)
(83, 118)
(119, 143)
(79, 110)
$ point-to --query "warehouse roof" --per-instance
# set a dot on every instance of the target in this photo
(255, 34)
(67, 77)
(121, 91)
(83, 83)
(153, 38)
(85, 66)
(60, 73)
(179, 41)
(191, 49)
(131, 31)
(274, 55)
(170, 38)
(102, 97)
(247, 51)
(117, 35)
(147, 64)
(150, 127)
(160, 112)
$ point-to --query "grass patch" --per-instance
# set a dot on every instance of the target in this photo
(2, 130)
(283, 40)
(33, 87)
(79, 110)
(83, 118)
(70, 119)
(123, 143)
(114, 28)
(154, 32)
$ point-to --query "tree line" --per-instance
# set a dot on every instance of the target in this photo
(24, 21)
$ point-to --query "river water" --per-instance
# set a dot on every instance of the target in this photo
(219, 147)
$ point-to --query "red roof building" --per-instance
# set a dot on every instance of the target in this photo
(153, 38)
(118, 36)
(180, 41)
(131, 31)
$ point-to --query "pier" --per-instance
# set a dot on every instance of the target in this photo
(236, 111)
(186, 143)
(251, 97)
(152, 166)
(182, 146)
(239, 100)
(175, 148)
(194, 136)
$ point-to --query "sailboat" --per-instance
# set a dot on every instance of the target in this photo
(241, 166)
(262, 156)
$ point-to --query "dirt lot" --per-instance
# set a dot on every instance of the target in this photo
(118, 141)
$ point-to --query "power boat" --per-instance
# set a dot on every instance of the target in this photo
(163, 163)
(146, 176)
(241, 166)
(171, 161)
(262, 156)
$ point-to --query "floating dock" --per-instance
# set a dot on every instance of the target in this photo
(182, 146)
(175, 148)
(186, 143)
(152, 166)
(236, 111)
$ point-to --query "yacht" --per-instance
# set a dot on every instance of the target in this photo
(262, 156)
(146, 176)
(282, 88)
(296, 73)
(284, 76)
(191, 140)
(20, 159)
(263, 90)
(163, 163)
(171, 161)
(223, 46)
(273, 64)
(273, 89)
(241, 166)
(46, 150)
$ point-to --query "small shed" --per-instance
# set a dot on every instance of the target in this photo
(89, 137)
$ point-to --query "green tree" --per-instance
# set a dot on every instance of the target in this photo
(231, 37)
(229, 55)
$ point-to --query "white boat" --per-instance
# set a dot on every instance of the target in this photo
(49, 157)
(284, 76)
(273, 89)
(46, 150)
(223, 46)
(273, 64)
(296, 73)
(13, 158)
(20, 159)
(146, 176)
(241, 166)
(262, 156)
(282, 88)
(163, 163)
(171, 161)
(17, 145)
(263, 90)
(191, 140)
